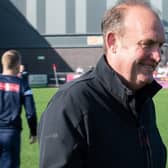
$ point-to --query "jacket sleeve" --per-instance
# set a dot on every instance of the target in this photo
(61, 141)
(29, 105)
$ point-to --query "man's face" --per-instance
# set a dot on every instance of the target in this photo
(138, 50)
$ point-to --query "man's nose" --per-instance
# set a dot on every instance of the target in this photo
(156, 54)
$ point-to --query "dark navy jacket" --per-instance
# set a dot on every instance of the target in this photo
(95, 122)
(15, 92)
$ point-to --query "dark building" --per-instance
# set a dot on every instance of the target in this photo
(65, 33)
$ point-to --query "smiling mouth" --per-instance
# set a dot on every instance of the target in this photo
(150, 68)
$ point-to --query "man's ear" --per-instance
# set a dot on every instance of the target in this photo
(111, 41)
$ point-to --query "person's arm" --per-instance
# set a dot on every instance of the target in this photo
(31, 116)
(61, 141)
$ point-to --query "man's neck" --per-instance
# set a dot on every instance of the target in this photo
(9, 72)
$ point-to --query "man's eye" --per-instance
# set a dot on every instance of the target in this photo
(144, 45)
(147, 45)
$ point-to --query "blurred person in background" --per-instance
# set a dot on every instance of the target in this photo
(14, 92)
(23, 73)
(106, 118)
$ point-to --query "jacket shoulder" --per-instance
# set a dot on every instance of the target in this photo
(79, 85)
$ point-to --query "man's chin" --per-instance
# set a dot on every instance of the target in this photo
(147, 80)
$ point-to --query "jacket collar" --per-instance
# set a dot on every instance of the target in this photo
(112, 82)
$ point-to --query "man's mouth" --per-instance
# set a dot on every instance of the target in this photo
(150, 68)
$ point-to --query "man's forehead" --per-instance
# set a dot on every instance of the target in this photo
(143, 20)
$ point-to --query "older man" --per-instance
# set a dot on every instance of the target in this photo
(106, 118)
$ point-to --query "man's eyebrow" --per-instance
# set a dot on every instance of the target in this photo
(151, 41)
(147, 41)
